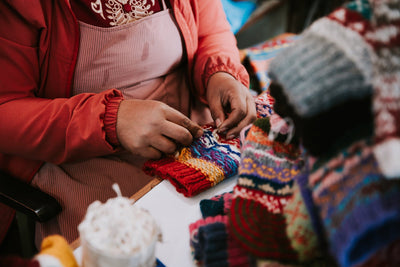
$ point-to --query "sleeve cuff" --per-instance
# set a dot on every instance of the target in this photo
(110, 120)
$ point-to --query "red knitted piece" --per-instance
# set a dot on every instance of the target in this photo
(186, 180)
(261, 233)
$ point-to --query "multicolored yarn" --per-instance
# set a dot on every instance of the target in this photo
(358, 207)
(264, 104)
(264, 187)
(205, 163)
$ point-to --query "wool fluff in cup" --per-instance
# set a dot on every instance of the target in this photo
(118, 234)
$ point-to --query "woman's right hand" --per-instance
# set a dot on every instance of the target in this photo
(150, 128)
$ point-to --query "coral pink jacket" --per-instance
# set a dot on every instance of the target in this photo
(41, 122)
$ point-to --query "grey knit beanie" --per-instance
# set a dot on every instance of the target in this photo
(328, 65)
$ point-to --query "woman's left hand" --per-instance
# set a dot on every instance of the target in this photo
(231, 103)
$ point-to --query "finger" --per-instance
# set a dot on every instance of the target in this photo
(150, 153)
(164, 144)
(249, 118)
(217, 112)
(237, 114)
(178, 118)
(177, 133)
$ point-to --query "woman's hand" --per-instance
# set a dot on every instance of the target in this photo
(150, 128)
(231, 103)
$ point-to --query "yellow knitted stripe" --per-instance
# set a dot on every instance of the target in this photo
(213, 172)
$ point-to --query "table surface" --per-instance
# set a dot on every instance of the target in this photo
(174, 212)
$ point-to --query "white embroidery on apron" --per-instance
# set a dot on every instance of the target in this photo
(122, 12)
(97, 8)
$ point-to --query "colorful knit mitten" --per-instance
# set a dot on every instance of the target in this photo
(359, 207)
(264, 187)
(200, 166)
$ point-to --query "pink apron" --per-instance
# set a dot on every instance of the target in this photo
(143, 59)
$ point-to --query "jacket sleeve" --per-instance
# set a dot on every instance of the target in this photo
(217, 46)
(53, 130)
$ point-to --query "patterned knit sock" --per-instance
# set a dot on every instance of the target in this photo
(205, 163)
(213, 245)
(264, 187)
(357, 205)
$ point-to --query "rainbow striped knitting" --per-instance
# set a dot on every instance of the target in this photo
(205, 163)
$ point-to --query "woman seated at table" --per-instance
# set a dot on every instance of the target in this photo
(91, 89)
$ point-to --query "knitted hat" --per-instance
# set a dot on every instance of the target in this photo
(328, 65)
(266, 173)
(324, 81)
(200, 166)
(358, 207)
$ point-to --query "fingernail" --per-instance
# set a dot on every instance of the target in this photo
(217, 122)
(199, 133)
(222, 130)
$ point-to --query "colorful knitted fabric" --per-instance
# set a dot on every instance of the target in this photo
(264, 104)
(266, 174)
(205, 163)
(358, 207)
(258, 57)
